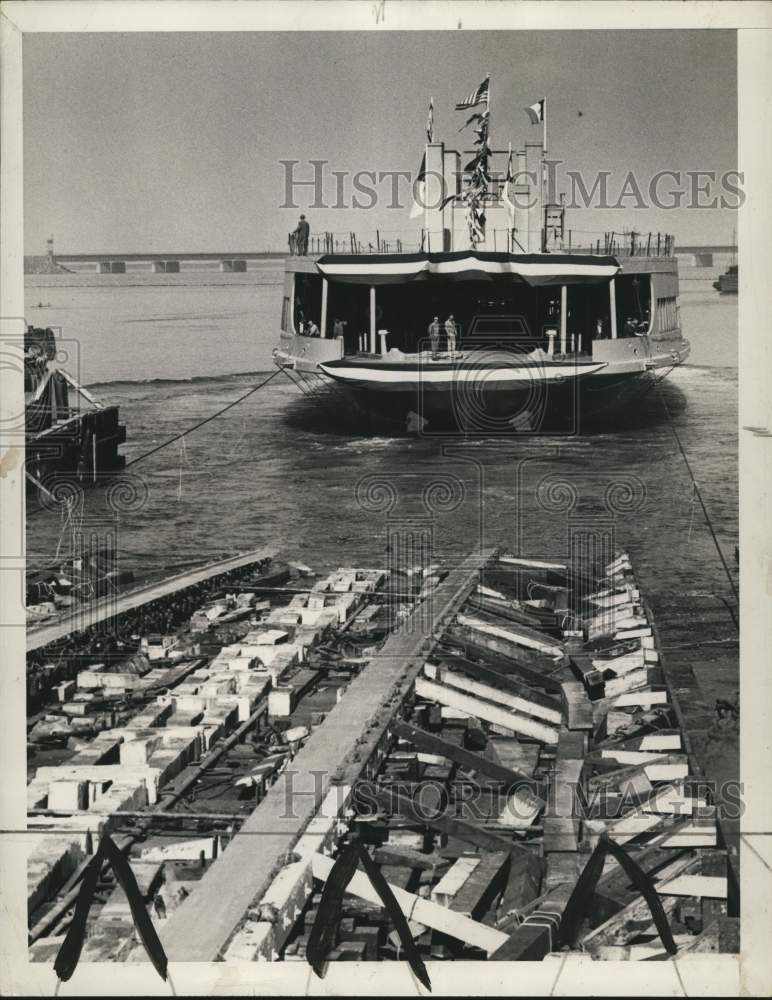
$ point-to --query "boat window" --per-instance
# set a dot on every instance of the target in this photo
(285, 313)
(633, 299)
(307, 313)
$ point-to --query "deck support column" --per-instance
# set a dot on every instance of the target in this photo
(323, 321)
(612, 301)
(563, 318)
(372, 319)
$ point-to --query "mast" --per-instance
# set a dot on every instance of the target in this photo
(544, 185)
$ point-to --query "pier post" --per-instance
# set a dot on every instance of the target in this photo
(372, 319)
(612, 297)
(323, 320)
(563, 317)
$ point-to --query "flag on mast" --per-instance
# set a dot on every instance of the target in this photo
(476, 97)
(506, 190)
(419, 191)
(430, 122)
(536, 112)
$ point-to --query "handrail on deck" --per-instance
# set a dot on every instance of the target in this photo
(632, 244)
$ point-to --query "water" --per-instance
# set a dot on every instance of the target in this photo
(270, 471)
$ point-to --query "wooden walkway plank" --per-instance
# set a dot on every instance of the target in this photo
(110, 606)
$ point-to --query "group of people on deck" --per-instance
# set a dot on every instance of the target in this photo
(451, 330)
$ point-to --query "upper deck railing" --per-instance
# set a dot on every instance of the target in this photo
(632, 244)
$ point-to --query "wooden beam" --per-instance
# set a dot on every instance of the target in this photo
(528, 668)
(503, 610)
(467, 759)
(502, 681)
(491, 692)
(625, 925)
(505, 718)
(391, 801)
(561, 822)
(519, 636)
(536, 937)
(423, 911)
(576, 705)
(478, 892)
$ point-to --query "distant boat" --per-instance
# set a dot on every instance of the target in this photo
(727, 282)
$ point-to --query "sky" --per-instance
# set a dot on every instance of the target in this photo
(155, 142)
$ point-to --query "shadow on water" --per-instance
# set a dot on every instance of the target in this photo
(322, 409)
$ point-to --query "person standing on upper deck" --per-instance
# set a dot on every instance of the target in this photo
(301, 235)
(450, 333)
(434, 335)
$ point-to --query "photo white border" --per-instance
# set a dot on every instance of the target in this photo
(693, 975)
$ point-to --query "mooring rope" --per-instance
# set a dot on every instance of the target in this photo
(206, 420)
(698, 494)
(176, 437)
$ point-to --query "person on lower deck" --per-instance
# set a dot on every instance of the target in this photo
(434, 335)
(450, 333)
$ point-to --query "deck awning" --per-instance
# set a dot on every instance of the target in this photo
(532, 269)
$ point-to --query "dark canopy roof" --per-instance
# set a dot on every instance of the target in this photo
(468, 265)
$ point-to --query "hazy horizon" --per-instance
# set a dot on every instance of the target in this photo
(155, 142)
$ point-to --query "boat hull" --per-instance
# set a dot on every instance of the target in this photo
(552, 409)
(550, 398)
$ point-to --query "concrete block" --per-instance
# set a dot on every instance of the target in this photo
(103, 749)
(139, 751)
(75, 707)
(284, 616)
(217, 686)
(68, 795)
(65, 690)
(101, 774)
(344, 604)
(183, 850)
(153, 715)
(50, 864)
(269, 637)
(120, 796)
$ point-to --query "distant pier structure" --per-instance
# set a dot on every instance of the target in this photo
(238, 262)
(170, 262)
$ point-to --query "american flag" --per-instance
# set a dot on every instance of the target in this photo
(430, 122)
(476, 97)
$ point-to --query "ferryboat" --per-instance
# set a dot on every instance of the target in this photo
(542, 329)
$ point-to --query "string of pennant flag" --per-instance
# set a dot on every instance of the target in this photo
(478, 169)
